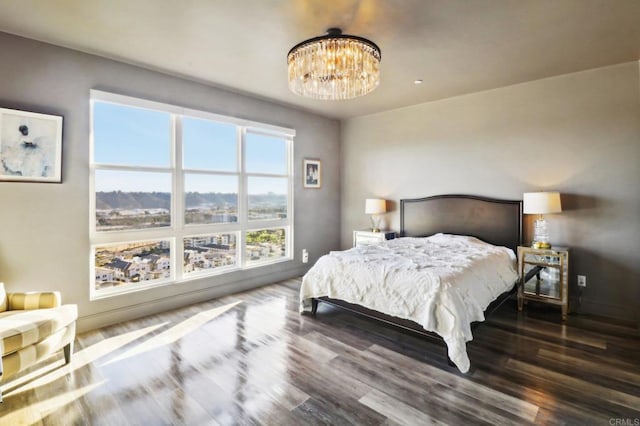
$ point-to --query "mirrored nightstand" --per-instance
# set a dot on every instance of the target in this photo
(544, 276)
(364, 238)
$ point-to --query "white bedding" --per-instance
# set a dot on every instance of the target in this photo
(443, 282)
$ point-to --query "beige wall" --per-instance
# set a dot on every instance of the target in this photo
(577, 133)
(44, 228)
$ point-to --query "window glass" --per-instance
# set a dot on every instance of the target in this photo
(265, 244)
(209, 252)
(125, 135)
(208, 145)
(127, 265)
(132, 200)
(267, 198)
(266, 154)
(210, 199)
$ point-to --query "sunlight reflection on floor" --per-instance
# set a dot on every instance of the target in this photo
(78, 360)
(33, 413)
(174, 333)
(257, 341)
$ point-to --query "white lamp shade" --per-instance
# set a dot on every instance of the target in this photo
(541, 202)
(375, 206)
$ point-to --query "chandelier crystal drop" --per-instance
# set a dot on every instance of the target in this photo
(334, 66)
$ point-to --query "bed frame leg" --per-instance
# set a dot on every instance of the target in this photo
(451, 363)
(314, 306)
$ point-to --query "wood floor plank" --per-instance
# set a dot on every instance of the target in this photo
(335, 392)
(579, 385)
(418, 390)
(395, 410)
(554, 331)
(250, 358)
(429, 396)
(552, 410)
(452, 380)
(501, 342)
(592, 367)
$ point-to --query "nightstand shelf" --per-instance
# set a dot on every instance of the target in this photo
(544, 276)
(365, 238)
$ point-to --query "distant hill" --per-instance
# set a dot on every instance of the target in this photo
(162, 200)
(132, 200)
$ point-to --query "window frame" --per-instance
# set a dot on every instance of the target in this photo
(179, 230)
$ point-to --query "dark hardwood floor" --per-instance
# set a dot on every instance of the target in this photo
(251, 358)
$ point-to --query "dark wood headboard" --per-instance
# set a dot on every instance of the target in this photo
(498, 222)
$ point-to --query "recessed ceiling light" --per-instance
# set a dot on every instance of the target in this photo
(418, 81)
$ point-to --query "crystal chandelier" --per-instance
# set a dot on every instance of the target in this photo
(334, 66)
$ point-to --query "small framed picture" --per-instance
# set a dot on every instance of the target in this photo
(30, 146)
(312, 173)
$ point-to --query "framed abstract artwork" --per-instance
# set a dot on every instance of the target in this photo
(312, 173)
(30, 146)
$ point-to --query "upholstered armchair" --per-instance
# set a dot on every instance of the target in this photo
(32, 327)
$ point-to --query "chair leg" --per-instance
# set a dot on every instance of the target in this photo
(68, 350)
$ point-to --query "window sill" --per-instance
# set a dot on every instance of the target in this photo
(187, 279)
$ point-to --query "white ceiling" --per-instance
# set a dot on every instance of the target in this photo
(455, 46)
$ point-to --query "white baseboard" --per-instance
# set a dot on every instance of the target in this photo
(126, 313)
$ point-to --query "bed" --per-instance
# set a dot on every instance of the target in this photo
(407, 282)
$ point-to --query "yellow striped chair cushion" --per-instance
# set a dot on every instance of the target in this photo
(26, 357)
(3, 298)
(34, 300)
(22, 328)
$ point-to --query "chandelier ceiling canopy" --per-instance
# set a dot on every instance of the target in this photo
(334, 66)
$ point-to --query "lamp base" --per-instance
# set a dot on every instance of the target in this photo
(540, 245)
(540, 234)
(375, 223)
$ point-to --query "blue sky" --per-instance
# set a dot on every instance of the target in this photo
(140, 137)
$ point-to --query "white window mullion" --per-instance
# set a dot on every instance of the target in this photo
(92, 185)
(264, 224)
(243, 197)
(269, 175)
(209, 172)
(118, 167)
(178, 196)
(290, 199)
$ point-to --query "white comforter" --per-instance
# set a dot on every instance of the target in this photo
(443, 282)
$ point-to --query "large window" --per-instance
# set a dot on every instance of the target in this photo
(180, 194)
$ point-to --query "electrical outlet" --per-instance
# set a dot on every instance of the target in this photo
(582, 280)
(305, 256)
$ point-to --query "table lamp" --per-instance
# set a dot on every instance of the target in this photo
(375, 207)
(541, 203)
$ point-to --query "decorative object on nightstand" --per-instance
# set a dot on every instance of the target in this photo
(541, 203)
(365, 238)
(544, 276)
(375, 207)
